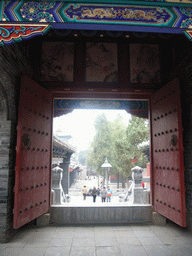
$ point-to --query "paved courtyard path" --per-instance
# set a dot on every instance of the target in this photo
(122, 240)
(76, 197)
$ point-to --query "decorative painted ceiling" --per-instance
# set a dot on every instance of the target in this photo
(19, 19)
(134, 107)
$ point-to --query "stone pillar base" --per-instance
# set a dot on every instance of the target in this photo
(57, 196)
(43, 220)
(158, 219)
(137, 195)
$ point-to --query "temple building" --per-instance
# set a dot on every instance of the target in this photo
(62, 152)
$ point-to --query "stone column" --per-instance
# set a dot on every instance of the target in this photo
(57, 174)
(65, 179)
(137, 190)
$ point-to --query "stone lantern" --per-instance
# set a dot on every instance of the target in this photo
(107, 167)
(137, 189)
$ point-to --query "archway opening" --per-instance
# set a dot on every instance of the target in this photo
(82, 141)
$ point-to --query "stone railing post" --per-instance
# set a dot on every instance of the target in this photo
(57, 174)
(137, 189)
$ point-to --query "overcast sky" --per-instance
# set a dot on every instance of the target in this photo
(80, 124)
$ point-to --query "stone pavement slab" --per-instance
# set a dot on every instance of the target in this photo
(133, 250)
(122, 240)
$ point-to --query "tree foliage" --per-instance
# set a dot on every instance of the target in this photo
(101, 146)
(129, 148)
(82, 157)
(120, 144)
(118, 132)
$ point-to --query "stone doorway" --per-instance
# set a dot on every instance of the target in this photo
(77, 131)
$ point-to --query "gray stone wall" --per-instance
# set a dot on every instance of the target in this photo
(100, 215)
(13, 63)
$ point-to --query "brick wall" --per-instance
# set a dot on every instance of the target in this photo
(12, 65)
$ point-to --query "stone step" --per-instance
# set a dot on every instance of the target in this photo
(100, 215)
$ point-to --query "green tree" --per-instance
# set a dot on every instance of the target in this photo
(118, 132)
(120, 144)
(101, 146)
(129, 148)
(82, 157)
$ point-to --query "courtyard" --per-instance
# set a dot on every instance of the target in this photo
(122, 240)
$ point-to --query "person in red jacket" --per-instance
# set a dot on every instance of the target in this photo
(109, 194)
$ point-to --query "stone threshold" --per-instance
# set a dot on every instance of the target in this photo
(100, 214)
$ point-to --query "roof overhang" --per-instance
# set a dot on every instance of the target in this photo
(24, 19)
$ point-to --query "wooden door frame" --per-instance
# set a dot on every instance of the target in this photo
(151, 154)
(132, 94)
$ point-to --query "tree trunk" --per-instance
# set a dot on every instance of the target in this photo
(123, 181)
(117, 179)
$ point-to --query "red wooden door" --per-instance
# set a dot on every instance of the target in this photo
(33, 153)
(167, 152)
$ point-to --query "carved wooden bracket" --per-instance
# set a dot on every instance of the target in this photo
(10, 33)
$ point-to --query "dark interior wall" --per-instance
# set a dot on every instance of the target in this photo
(13, 62)
(182, 68)
(124, 54)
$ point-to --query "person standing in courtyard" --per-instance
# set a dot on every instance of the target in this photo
(98, 191)
(109, 194)
(103, 195)
(84, 191)
(94, 194)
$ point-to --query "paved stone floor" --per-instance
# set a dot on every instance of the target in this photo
(78, 201)
(133, 240)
